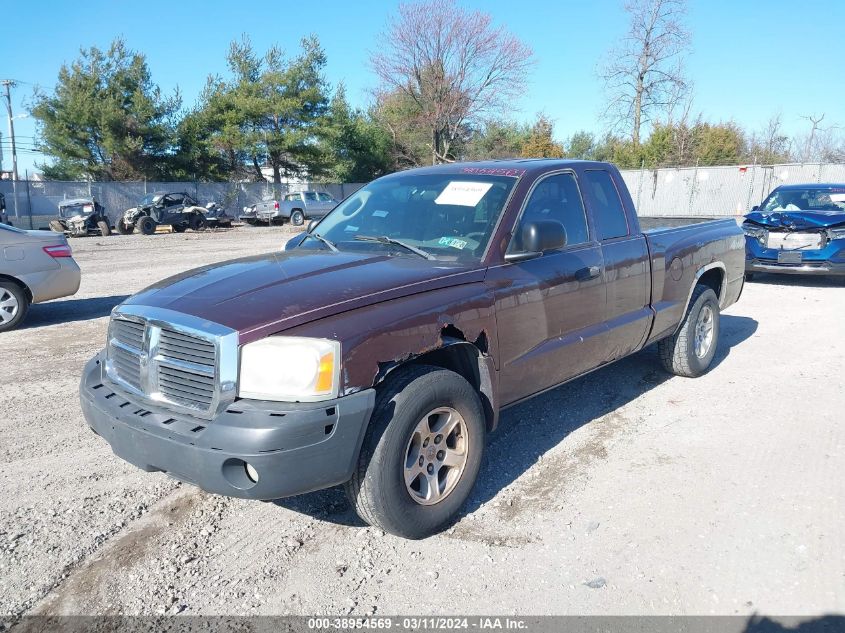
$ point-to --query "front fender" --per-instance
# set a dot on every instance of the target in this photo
(377, 338)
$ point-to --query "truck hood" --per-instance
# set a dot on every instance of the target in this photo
(265, 294)
(798, 220)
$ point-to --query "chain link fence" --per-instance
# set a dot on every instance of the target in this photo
(718, 191)
(667, 192)
(38, 201)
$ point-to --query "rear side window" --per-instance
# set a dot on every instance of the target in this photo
(324, 197)
(310, 196)
(609, 215)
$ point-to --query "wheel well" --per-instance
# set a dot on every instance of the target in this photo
(465, 359)
(18, 283)
(713, 278)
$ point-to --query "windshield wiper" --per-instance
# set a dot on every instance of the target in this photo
(325, 241)
(383, 239)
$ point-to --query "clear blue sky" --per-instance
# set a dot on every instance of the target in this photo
(749, 60)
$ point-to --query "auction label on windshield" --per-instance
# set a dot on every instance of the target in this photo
(463, 193)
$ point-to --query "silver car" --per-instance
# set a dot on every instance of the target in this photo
(35, 266)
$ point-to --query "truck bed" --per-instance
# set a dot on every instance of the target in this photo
(681, 254)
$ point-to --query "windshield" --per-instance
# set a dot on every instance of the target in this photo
(449, 216)
(151, 198)
(809, 199)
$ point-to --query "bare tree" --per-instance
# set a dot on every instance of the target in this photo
(454, 65)
(643, 75)
(771, 144)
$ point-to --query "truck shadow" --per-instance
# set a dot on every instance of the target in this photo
(68, 310)
(529, 430)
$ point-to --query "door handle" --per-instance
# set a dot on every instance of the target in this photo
(587, 273)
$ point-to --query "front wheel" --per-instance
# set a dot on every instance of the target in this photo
(56, 226)
(14, 303)
(297, 218)
(147, 225)
(421, 454)
(105, 229)
(691, 349)
(123, 228)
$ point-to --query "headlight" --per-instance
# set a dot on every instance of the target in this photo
(290, 369)
(757, 232)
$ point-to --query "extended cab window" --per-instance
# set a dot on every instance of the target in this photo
(291, 197)
(556, 198)
(609, 214)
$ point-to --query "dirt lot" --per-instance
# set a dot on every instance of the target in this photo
(626, 492)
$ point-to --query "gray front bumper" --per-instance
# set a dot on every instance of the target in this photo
(806, 268)
(295, 447)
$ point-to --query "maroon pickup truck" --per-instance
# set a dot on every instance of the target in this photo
(378, 348)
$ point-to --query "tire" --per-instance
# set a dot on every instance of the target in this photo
(14, 304)
(411, 397)
(105, 229)
(123, 228)
(688, 352)
(197, 222)
(56, 226)
(749, 276)
(297, 217)
(147, 225)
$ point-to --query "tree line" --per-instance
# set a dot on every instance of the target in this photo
(447, 78)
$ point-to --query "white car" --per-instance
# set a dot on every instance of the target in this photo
(35, 266)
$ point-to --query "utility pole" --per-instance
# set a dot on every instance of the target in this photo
(8, 84)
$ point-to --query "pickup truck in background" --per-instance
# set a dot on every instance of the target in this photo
(379, 348)
(295, 208)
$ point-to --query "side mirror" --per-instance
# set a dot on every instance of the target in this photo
(756, 207)
(538, 237)
(311, 226)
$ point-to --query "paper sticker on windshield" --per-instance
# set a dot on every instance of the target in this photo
(350, 229)
(463, 193)
(453, 242)
(379, 214)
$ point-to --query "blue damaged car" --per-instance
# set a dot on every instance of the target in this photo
(798, 229)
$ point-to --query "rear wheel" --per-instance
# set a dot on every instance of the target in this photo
(147, 225)
(14, 303)
(691, 349)
(297, 217)
(105, 229)
(421, 454)
(197, 222)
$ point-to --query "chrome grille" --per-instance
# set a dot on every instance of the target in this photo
(186, 368)
(171, 363)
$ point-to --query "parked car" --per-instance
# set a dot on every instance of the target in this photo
(216, 216)
(378, 349)
(81, 216)
(799, 229)
(35, 266)
(175, 208)
(295, 208)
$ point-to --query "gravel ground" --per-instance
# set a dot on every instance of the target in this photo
(625, 492)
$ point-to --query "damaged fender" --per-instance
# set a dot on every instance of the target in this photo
(452, 327)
